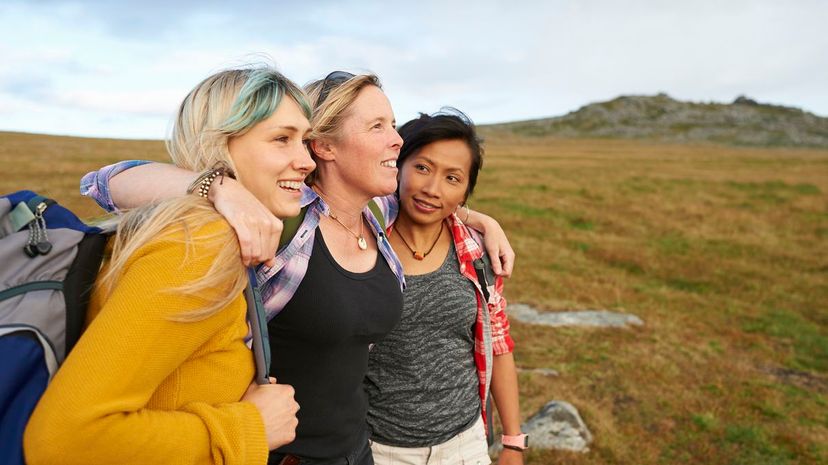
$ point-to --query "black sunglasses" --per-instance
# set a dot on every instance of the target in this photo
(335, 79)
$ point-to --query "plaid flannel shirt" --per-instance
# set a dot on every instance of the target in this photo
(279, 283)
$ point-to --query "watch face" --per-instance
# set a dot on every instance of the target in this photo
(525, 440)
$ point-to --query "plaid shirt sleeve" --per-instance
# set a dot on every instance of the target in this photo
(501, 338)
(467, 241)
(95, 184)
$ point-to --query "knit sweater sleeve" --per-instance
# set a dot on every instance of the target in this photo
(96, 408)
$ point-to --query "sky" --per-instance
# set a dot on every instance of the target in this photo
(111, 68)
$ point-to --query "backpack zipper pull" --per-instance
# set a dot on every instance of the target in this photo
(43, 245)
(38, 243)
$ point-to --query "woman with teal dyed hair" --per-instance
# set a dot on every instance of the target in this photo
(162, 373)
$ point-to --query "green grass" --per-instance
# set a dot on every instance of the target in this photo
(750, 445)
(672, 244)
(804, 341)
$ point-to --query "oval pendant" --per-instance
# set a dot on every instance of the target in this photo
(363, 245)
(418, 256)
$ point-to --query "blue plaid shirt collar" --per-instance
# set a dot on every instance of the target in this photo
(279, 283)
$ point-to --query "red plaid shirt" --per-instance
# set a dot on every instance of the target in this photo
(468, 244)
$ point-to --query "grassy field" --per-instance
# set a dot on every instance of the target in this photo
(721, 251)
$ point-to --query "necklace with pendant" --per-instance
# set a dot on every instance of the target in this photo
(361, 242)
(417, 254)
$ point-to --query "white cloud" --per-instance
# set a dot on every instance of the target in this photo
(152, 104)
(100, 64)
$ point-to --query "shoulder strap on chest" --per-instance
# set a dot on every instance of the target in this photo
(482, 266)
(375, 210)
(290, 226)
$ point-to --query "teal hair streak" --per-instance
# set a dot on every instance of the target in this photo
(259, 98)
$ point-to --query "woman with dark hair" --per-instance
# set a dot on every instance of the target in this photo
(429, 380)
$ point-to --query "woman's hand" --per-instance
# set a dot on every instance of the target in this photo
(499, 250)
(278, 409)
(256, 227)
(494, 241)
(258, 230)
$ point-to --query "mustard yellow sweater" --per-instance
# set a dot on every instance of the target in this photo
(141, 389)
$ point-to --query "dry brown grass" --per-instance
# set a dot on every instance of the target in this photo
(722, 251)
(53, 165)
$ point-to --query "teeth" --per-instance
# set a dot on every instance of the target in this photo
(293, 185)
(389, 164)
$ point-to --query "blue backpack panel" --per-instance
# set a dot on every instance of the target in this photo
(50, 260)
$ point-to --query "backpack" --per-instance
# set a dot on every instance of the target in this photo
(50, 262)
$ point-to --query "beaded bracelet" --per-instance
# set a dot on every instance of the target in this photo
(202, 184)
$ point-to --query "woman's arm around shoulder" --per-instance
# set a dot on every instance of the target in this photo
(135, 183)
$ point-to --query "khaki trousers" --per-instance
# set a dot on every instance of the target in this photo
(467, 448)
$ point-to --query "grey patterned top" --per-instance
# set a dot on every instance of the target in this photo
(422, 384)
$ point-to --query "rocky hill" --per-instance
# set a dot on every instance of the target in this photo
(660, 117)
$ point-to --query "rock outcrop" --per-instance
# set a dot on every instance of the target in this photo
(742, 122)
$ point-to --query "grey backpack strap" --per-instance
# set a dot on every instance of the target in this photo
(79, 283)
(258, 326)
(485, 275)
(482, 266)
(290, 226)
(377, 212)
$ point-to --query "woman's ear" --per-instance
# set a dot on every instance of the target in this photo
(323, 150)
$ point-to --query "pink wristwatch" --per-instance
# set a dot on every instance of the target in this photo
(518, 442)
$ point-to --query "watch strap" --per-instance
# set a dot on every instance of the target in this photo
(519, 449)
(517, 442)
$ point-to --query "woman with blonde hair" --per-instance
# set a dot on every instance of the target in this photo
(163, 374)
(335, 288)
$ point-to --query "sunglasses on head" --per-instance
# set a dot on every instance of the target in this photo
(332, 81)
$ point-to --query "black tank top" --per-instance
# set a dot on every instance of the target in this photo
(319, 343)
